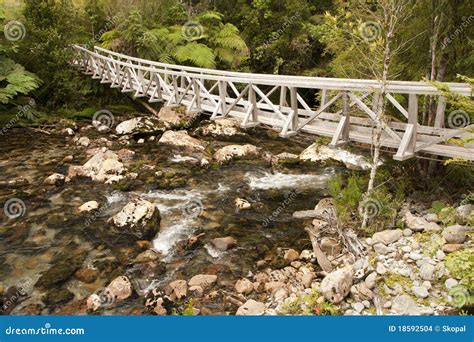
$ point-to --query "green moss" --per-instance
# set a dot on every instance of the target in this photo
(308, 305)
(430, 242)
(392, 279)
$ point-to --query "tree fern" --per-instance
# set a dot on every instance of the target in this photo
(195, 53)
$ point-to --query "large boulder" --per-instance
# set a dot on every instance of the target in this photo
(136, 125)
(222, 128)
(455, 234)
(415, 223)
(177, 116)
(336, 285)
(182, 139)
(322, 153)
(231, 152)
(140, 218)
(387, 236)
(104, 166)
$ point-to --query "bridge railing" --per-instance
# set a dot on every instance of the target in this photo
(276, 100)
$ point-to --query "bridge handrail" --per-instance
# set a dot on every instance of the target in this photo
(403, 87)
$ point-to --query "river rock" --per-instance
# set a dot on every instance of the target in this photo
(432, 217)
(225, 127)
(147, 256)
(86, 275)
(454, 234)
(88, 206)
(176, 116)
(242, 204)
(224, 243)
(427, 271)
(204, 281)
(387, 236)
(370, 280)
(139, 217)
(291, 255)
(117, 291)
(55, 179)
(321, 153)
(336, 285)
(405, 305)
(244, 286)
(104, 166)
(231, 152)
(450, 282)
(83, 141)
(251, 308)
(415, 223)
(182, 139)
(420, 291)
(452, 247)
(178, 289)
(463, 212)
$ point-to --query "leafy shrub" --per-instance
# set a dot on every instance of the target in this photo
(346, 198)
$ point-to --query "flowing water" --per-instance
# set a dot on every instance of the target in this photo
(50, 228)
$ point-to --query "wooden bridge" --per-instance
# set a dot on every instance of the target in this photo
(277, 101)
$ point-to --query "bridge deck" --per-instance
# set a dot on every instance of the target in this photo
(277, 101)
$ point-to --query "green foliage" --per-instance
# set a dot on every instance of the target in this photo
(14, 79)
(460, 265)
(346, 198)
(204, 41)
(309, 305)
(448, 215)
(436, 207)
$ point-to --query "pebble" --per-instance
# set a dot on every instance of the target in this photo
(450, 282)
(358, 307)
(366, 303)
(420, 291)
(406, 249)
(440, 255)
(381, 269)
(426, 284)
(415, 256)
(407, 232)
(427, 271)
(387, 305)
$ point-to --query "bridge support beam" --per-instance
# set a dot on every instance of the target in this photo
(341, 136)
(407, 146)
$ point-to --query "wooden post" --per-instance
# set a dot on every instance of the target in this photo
(341, 136)
(283, 102)
(294, 109)
(324, 97)
(223, 95)
(175, 88)
(440, 110)
(197, 94)
(407, 146)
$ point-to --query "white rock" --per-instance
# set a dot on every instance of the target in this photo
(84, 141)
(370, 280)
(230, 152)
(407, 232)
(432, 217)
(358, 306)
(182, 139)
(463, 212)
(244, 286)
(450, 282)
(117, 291)
(226, 127)
(381, 269)
(55, 179)
(251, 308)
(427, 271)
(387, 236)
(336, 285)
(420, 291)
(128, 126)
(242, 204)
(88, 206)
(440, 255)
(316, 153)
(139, 217)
